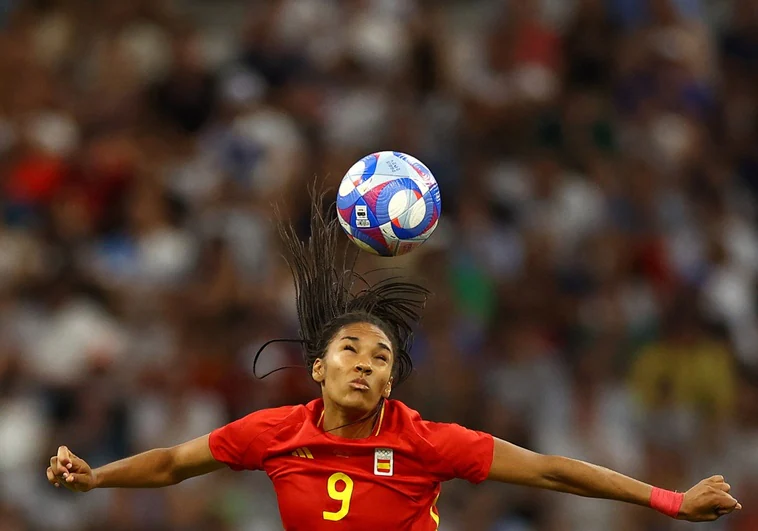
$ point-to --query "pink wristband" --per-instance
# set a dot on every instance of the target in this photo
(666, 501)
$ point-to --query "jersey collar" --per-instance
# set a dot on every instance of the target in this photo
(375, 431)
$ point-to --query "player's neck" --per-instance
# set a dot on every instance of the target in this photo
(349, 424)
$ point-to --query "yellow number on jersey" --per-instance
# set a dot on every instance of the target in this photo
(343, 495)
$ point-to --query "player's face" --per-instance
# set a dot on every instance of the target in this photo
(357, 368)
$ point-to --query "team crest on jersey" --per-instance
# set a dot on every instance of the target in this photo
(384, 463)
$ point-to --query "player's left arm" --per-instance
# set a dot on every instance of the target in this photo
(708, 500)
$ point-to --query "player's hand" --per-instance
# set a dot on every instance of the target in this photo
(70, 471)
(708, 500)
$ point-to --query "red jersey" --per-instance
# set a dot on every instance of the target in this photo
(389, 480)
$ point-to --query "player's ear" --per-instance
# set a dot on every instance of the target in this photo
(387, 389)
(318, 373)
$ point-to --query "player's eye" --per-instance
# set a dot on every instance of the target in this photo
(382, 357)
(350, 348)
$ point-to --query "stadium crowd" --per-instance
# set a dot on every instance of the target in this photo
(594, 271)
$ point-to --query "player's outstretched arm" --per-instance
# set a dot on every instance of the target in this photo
(155, 468)
(708, 500)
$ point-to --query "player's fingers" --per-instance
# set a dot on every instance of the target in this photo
(64, 456)
(77, 482)
(68, 480)
(727, 503)
(78, 464)
(716, 479)
(51, 477)
(722, 511)
(58, 469)
(726, 487)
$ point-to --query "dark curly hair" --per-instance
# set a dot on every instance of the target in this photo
(331, 297)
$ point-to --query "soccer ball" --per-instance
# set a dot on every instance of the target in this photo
(388, 203)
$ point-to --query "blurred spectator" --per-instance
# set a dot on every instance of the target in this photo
(687, 374)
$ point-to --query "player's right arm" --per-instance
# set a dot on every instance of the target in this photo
(155, 468)
(240, 445)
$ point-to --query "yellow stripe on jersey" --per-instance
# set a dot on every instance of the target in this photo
(433, 511)
(383, 466)
(381, 418)
(308, 453)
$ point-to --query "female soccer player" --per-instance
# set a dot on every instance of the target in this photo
(354, 459)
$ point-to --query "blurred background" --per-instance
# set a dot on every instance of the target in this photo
(594, 270)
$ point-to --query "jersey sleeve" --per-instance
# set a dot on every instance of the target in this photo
(460, 452)
(242, 444)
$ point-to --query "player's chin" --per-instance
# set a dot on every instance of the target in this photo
(360, 400)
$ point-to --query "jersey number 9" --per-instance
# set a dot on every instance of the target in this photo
(343, 495)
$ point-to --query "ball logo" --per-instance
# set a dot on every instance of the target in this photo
(361, 217)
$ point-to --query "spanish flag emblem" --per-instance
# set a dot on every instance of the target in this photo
(383, 462)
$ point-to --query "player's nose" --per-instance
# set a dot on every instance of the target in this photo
(363, 367)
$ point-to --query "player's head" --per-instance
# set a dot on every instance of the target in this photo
(349, 334)
(357, 366)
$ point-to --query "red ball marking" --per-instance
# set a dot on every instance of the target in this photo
(346, 213)
(377, 235)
